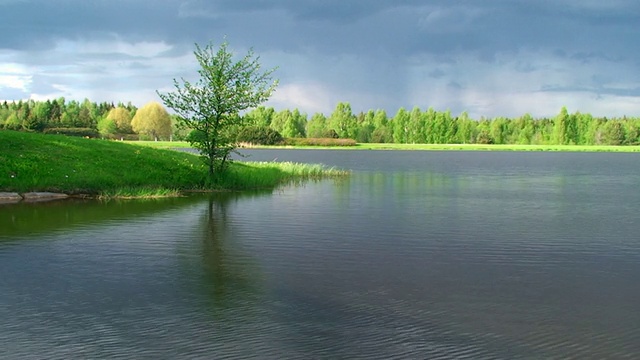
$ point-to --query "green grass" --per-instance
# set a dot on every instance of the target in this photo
(487, 147)
(37, 162)
(433, 147)
(262, 175)
(161, 144)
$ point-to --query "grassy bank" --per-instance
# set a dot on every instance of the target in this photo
(37, 162)
(489, 147)
(426, 147)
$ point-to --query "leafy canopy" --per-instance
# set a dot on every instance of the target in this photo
(211, 106)
(153, 120)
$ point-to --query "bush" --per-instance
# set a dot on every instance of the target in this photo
(484, 138)
(124, 137)
(319, 142)
(82, 132)
(259, 135)
(12, 123)
(381, 135)
(195, 136)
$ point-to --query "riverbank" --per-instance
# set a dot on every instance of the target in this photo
(31, 162)
(423, 147)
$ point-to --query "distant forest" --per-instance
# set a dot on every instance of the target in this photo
(416, 126)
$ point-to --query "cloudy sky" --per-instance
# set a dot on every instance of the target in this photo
(487, 57)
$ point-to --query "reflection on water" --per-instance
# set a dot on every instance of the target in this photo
(229, 274)
(26, 218)
(453, 255)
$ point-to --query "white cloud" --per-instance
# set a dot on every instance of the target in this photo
(144, 49)
(311, 98)
(370, 54)
(15, 82)
(527, 81)
(58, 90)
(14, 76)
(80, 69)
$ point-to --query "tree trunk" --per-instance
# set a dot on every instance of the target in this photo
(211, 167)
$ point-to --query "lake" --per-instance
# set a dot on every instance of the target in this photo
(425, 255)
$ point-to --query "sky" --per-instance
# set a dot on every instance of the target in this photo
(486, 57)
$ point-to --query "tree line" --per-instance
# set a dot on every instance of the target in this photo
(88, 118)
(418, 126)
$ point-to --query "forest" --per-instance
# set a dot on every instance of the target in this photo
(415, 126)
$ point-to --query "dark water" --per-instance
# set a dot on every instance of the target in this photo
(425, 255)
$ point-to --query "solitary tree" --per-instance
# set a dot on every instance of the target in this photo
(211, 106)
(121, 118)
(153, 120)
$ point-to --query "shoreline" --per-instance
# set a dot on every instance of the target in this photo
(38, 167)
(181, 145)
(33, 196)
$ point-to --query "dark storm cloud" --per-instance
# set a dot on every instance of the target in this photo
(357, 26)
(375, 53)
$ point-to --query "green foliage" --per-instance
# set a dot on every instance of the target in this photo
(295, 125)
(37, 118)
(319, 142)
(415, 126)
(180, 133)
(12, 122)
(107, 127)
(343, 122)
(212, 105)
(614, 132)
(81, 132)
(260, 116)
(259, 135)
(37, 162)
(561, 125)
(465, 131)
(121, 117)
(484, 137)
(498, 131)
(317, 126)
(401, 126)
(632, 132)
(382, 135)
(364, 126)
(267, 175)
(280, 119)
(152, 120)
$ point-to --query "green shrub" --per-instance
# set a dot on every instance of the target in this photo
(82, 132)
(484, 138)
(382, 135)
(319, 142)
(12, 123)
(126, 137)
(195, 136)
(259, 135)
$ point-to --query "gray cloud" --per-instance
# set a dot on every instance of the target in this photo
(373, 53)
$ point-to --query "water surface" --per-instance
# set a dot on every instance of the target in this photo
(474, 255)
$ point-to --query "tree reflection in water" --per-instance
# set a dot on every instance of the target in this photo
(231, 278)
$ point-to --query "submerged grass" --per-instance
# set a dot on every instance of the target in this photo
(261, 175)
(139, 192)
(102, 168)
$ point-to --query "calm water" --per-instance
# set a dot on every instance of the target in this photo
(434, 255)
